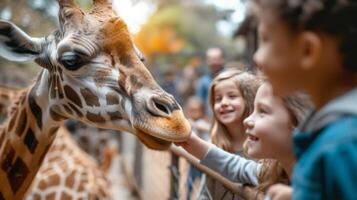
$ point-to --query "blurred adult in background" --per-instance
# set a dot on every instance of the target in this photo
(169, 83)
(215, 62)
(187, 83)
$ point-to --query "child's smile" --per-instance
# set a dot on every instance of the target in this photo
(228, 102)
(268, 128)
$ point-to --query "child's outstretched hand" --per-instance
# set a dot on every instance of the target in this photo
(195, 146)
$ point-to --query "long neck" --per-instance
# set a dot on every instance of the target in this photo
(24, 141)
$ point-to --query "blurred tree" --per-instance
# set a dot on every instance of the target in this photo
(179, 30)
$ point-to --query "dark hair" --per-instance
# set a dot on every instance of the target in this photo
(338, 18)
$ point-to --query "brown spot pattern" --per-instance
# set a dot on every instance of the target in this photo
(122, 81)
(72, 96)
(8, 158)
(4, 96)
(35, 108)
(70, 180)
(126, 60)
(101, 76)
(78, 112)
(90, 98)
(13, 120)
(17, 175)
(53, 180)
(112, 98)
(115, 115)
(51, 196)
(22, 122)
(30, 141)
(66, 196)
(95, 118)
(135, 83)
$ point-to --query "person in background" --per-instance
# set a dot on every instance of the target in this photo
(215, 62)
(194, 110)
(169, 83)
(187, 82)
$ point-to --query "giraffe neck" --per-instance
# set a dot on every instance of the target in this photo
(24, 141)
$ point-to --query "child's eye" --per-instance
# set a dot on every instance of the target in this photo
(217, 98)
(262, 111)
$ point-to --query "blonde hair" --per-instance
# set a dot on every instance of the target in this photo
(298, 106)
(248, 85)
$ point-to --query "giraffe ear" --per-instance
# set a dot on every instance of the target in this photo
(15, 45)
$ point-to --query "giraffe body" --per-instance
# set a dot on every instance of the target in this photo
(67, 172)
(92, 72)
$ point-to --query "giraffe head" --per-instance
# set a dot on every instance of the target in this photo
(93, 72)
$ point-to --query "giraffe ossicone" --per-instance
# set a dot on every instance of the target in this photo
(92, 72)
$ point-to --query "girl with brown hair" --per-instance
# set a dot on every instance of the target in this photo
(231, 97)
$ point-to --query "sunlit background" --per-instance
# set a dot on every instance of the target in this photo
(168, 32)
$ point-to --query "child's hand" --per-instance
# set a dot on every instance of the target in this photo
(195, 146)
(280, 192)
(192, 140)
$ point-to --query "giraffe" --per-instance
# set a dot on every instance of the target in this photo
(102, 146)
(92, 72)
(67, 172)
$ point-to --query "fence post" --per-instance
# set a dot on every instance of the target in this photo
(174, 177)
(138, 163)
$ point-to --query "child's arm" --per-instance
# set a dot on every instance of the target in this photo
(231, 166)
(195, 146)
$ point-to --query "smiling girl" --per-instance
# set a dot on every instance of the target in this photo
(231, 97)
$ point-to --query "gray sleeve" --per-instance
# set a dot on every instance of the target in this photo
(231, 166)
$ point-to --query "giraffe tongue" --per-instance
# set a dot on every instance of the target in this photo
(153, 142)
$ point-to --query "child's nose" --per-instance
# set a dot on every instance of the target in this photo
(248, 122)
(256, 59)
(224, 101)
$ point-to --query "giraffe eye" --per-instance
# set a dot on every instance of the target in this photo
(71, 61)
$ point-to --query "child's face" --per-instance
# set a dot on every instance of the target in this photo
(278, 53)
(228, 103)
(269, 127)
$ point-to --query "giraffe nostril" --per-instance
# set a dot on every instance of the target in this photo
(159, 107)
(162, 107)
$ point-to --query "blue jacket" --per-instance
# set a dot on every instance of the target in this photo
(326, 151)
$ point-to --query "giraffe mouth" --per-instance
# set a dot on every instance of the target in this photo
(153, 142)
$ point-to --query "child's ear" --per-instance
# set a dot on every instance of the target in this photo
(311, 49)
